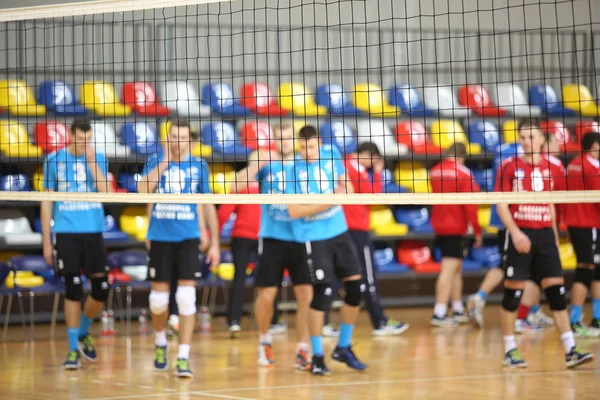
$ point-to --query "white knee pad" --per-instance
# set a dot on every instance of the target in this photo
(186, 300)
(159, 302)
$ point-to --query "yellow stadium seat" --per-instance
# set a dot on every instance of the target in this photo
(413, 176)
(484, 213)
(198, 149)
(225, 271)
(383, 223)
(295, 98)
(370, 98)
(222, 183)
(578, 98)
(25, 279)
(134, 222)
(509, 131)
(38, 180)
(101, 98)
(18, 98)
(446, 132)
(567, 256)
(14, 141)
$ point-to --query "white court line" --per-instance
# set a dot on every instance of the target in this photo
(120, 384)
(358, 383)
(220, 396)
(144, 387)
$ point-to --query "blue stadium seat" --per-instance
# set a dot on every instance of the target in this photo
(488, 256)
(336, 100)
(222, 138)
(59, 97)
(485, 179)
(485, 134)
(227, 227)
(408, 100)
(385, 262)
(15, 183)
(140, 137)
(417, 219)
(340, 135)
(128, 181)
(112, 232)
(389, 182)
(219, 96)
(545, 97)
(471, 265)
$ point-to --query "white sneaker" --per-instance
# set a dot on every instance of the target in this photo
(173, 324)
(392, 328)
(475, 305)
(524, 326)
(234, 331)
(330, 331)
(278, 328)
(265, 355)
(540, 319)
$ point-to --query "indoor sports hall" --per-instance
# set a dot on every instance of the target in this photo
(315, 199)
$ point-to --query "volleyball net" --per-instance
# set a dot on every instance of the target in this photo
(420, 80)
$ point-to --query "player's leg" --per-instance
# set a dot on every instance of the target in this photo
(173, 321)
(451, 263)
(531, 296)
(330, 329)
(584, 244)
(278, 326)
(456, 295)
(160, 270)
(596, 301)
(242, 250)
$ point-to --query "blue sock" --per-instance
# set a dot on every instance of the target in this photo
(482, 294)
(575, 313)
(84, 325)
(596, 308)
(317, 345)
(345, 335)
(534, 308)
(73, 334)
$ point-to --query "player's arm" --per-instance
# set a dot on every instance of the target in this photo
(248, 175)
(554, 215)
(149, 182)
(46, 221)
(306, 210)
(214, 250)
(98, 169)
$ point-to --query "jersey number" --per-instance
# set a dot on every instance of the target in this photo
(537, 181)
(174, 180)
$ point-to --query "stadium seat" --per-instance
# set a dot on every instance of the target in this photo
(562, 135)
(18, 98)
(51, 136)
(446, 132)
(257, 134)
(15, 228)
(14, 141)
(484, 178)
(182, 97)
(583, 127)
(142, 99)
(257, 97)
(14, 183)
(38, 179)
(476, 98)
(58, 96)
(509, 131)
(418, 257)
(133, 264)
(340, 135)
(485, 134)
(227, 227)
(222, 138)
(511, 98)
(113, 184)
(198, 149)
(140, 137)
(336, 100)
(413, 135)
(111, 230)
(297, 99)
(578, 98)
(370, 98)
(377, 131)
(413, 176)
(382, 223)
(134, 222)
(386, 264)
(545, 97)
(568, 259)
(408, 100)
(128, 181)
(106, 142)
(484, 213)
(101, 98)
(416, 218)
(389, 182)
(488, 256)
(443, 101)
(222, 182)
(219, 97)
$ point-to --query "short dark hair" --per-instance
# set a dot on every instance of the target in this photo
(369, 147)
(588, 140)
(184, 123)
(308, 132)
(528, 123)
(81, 123)
(458, 149)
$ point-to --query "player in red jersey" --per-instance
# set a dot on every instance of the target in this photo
(532, 245)
(450, 224)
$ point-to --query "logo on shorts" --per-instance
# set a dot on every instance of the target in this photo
(197, 274)
(518, 294)
(510, 271)
(106, 268)
(363, 287)
(76, 280)
(320, 274)
(562, 290)
(328, 291)
(61, 264)
(152, 272)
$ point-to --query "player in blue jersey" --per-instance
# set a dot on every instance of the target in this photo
(174, 234)
(74, 241)
(329, 248)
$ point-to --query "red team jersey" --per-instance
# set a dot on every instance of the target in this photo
(559, 182)
(583, 173)
(358, 216)
(517, 175)
(247, 223)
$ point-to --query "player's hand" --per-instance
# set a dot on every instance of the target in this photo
(340, 188)
(90, 152)
(147, 243)
(378, 166)
(213, 257)
(521, 242)
(204, 241)
(478, 241)
(49, 253)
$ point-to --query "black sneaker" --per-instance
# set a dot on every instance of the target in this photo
(318, 367)
(73, 360)
(513, 359)
(576, 358)
(347, 356)
(86, 345)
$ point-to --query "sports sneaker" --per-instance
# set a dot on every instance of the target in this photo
(278, 328)
(265, 355)
(475, 305)
(173, 324)
(540, 319)
(183, 368)
(443, 322)
(86, 346)
(513, 359)
(524, 326)
(595, 326)
(330, 331)
(576, 358)
(461, 317)
(234, 331)
(581, 331)
(302, 360)
(391, 328)
(345, 355)
(318, 367)
(161, 362)
(72, 361)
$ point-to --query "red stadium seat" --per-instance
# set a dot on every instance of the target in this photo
(141, 97)
(418, 257)
(257, 134)
(478, 99)
(51, 136)
(113, 184)
(258, 97)
(583, 127)
(413, 135)
(562, 135)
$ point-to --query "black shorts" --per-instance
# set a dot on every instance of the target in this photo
(452, 246)
(77, 252)
(336, 256)
(274, 256)
(584, 241)
(181, 260)
(502, 246)
(542, 261)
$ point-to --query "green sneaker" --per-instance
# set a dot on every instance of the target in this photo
(183, 368)
(72, 362)
(161, 363)
(576, 358)
(86, 345)
(514, 359)
(581, 331)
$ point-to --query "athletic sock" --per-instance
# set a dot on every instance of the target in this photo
(575, 313)
(345, 335)
(440, 310)
(73, 335)
(534, 308)
(596, 308)
(317, 345)
(568, 341)
(264, 338)
(509, 343)
(184, 351)
(84, 325)
(523, 311)
(458, 306)
(482, 294)
(160, 338)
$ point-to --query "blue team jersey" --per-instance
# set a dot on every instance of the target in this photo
(320, 177)
(177, 222)
(504, 152)
(65, 172)
(275, 222)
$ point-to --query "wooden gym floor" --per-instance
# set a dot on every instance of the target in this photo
(458, 363)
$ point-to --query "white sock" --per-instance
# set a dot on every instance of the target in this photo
(458, 306)
(568, 341)
(509, 343)
(302, 346)
(264, 338)
(184, 351)
(440, 310)
(160, 338)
